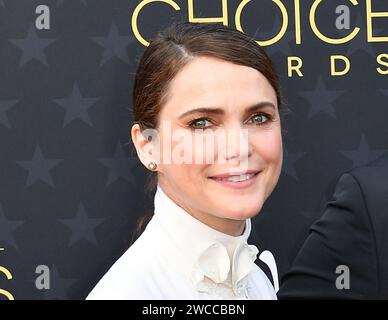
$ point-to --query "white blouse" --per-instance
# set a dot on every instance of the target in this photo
(179, 257)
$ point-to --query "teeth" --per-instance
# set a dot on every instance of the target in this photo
(239, 178)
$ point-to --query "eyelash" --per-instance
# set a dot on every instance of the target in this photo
(269, 118)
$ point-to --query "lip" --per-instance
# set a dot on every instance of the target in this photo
(229, 174)
(237, 185)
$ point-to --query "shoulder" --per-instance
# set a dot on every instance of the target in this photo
(343, 236)
(345, 229)
(345, 211)
(364, 190)
(372, 179)
(132, 275)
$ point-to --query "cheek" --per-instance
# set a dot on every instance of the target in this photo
(186, 162)
(270, 148)
(194, 151)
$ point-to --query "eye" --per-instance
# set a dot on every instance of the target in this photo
(200, 123)
(259, 119)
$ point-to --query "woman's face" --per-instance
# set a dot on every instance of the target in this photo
(238, 133)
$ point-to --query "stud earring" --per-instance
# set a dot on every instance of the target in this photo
(152, 166)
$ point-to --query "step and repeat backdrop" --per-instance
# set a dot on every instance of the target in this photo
(71, 187)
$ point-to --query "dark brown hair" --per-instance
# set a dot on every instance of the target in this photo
(173, 48)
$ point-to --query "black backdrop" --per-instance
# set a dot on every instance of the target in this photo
(70, 187)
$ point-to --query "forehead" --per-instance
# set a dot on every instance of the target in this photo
(219, 83)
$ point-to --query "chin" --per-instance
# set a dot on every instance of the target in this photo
(242, 213)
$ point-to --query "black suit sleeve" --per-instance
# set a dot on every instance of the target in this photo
(342, 236)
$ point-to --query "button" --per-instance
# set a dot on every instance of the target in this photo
(245, 245)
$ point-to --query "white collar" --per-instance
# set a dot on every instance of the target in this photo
(205, 253)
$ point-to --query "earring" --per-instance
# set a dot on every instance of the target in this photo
(152, 166)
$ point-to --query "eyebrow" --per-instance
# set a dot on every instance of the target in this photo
(219, 111)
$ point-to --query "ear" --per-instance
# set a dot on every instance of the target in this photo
(146, 143)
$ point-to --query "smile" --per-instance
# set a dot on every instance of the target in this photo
(239, 181)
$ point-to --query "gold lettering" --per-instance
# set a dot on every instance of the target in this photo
(382, 62)
(8, 275)
(322, 36)
(297, 22)
(223, 19)
(135, 16)
(282, 31)
(333, 60)
(369, 25)
(296, 67)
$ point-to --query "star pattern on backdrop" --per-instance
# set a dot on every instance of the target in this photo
(360, 42)
(363, 154)
(39, 168)
(120, 166)
(59, 285)
(32, 47)
(76, 106)
(321, 99)
(290, 158)
(5, 106)
(114, 44)
(62, 75)
(7, 229)
(82, 226)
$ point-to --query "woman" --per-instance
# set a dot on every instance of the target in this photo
(201, 83)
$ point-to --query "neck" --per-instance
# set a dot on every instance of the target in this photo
(228, 226)
(231, 227)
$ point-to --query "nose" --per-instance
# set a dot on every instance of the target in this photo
(237, 147)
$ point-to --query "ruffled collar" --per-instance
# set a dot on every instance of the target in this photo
(207, 256)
